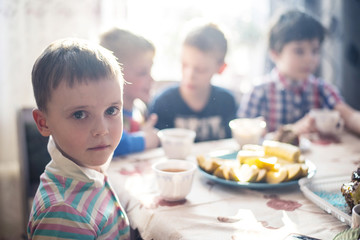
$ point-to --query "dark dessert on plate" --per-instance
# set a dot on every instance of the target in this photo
(351, 190)
(286, 134)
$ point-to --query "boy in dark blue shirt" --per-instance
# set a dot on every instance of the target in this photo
(196, 104)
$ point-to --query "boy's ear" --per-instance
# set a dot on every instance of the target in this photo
(273, 55)
(222, 68)
(41, 123)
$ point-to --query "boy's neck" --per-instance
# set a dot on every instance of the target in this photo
(128, 104)
(285, 77)
(196, 100)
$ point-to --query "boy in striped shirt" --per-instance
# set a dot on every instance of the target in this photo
(291, 90)
(78, 91)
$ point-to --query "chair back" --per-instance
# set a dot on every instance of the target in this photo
(33, 156)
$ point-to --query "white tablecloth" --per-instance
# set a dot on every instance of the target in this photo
(215, 211)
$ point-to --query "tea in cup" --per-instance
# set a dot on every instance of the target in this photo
(247, 130)
(177, 142)
(174, 178)
(327, 122)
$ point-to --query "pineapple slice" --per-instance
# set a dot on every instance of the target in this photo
(223, 172)
(209, 165)
(261, 175)
(248, 173)
(304, 170)
(277, 176)
(294, 171)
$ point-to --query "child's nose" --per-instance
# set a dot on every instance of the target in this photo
(150, 79)
(310, 56)
(189, 73)
(100, 127)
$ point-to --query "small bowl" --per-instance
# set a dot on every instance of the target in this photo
(174, 178)
(177, 142)
(247, 130)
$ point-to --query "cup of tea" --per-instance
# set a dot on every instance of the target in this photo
(327, 122)
(177, 142)
(174, 178)
(247, 130)
(355, 216)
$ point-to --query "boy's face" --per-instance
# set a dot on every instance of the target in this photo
(85, 121)
(298, 59)
(138, 73)
(197, 69)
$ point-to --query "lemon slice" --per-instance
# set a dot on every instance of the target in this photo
(267, 163)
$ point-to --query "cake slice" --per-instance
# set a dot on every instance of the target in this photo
(351, 190)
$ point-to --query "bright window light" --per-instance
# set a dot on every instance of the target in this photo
(163, 22)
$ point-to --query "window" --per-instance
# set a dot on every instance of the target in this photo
(163, 22)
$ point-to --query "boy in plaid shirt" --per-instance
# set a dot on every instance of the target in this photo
(291, 90)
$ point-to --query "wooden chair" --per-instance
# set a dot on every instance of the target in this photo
(34, 157)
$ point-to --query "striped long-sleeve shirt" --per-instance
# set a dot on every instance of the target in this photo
(282, 101)
(73, 202)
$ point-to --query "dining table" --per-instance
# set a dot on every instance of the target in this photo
(214, 210)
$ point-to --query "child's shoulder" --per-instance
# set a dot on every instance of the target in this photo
(165, 98)
(223, 95)
(170, 90)
(168, 93)
(217, 90)
(267, 81)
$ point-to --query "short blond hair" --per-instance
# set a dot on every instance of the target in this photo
(71, 60)
(124, 44)
(208, 38)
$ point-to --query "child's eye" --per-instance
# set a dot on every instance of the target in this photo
(112, 111)
(316, 51)
(299, 51)
(200, 70)
(79, 115)
(143, 73)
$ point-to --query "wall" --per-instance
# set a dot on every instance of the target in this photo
(26, 28)
(341, 52)
(351, 52)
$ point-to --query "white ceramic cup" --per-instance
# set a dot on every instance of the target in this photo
(355, 216)
(327, 121)
(174, 178)
(247, 130)
(177, 142)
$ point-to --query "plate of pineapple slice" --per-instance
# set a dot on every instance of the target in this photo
(272, 164)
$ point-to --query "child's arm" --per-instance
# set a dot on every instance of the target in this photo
(351, 117)
(130, 143)
(304, 125)
(139, 141)
(150, 133)
(60, 221)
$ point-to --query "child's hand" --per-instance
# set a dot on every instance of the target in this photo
(353, 122)
(305, 125)
(150, 133)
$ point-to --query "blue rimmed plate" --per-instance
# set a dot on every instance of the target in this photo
(311, 173)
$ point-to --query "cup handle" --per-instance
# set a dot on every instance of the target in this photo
(340, 125)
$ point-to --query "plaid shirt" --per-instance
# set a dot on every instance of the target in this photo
(282, 101)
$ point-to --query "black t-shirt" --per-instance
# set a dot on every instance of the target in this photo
(211, 123)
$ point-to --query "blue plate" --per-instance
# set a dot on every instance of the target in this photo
(311, 173)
